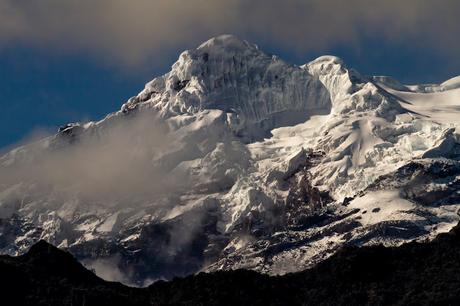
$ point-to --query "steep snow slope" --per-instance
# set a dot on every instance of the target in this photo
(256, 91)
(236, 159)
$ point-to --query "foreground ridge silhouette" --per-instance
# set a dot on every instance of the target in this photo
(415, 273)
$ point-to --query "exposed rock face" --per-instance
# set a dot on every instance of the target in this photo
(236, 159)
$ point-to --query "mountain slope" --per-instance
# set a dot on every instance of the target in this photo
(236, 159)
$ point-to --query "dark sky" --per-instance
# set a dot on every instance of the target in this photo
(79, 61)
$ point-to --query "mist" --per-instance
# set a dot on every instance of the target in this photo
(120, 160)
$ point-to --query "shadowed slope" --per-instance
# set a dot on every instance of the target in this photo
(415, 273)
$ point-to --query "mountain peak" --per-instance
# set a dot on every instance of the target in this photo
(227, 42)
(256, 92)
(328, 59)
(347, 159)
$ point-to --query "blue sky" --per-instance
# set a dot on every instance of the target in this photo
(49, 77)
(41, 91)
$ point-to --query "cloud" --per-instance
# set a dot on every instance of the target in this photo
(120, 161)
(132, 32)
(109, 269)
(118, 176)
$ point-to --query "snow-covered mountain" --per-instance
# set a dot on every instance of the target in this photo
(237, 159)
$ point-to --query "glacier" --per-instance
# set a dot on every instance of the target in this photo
(237, 159)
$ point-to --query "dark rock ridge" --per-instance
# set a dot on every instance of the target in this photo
(413, 274)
